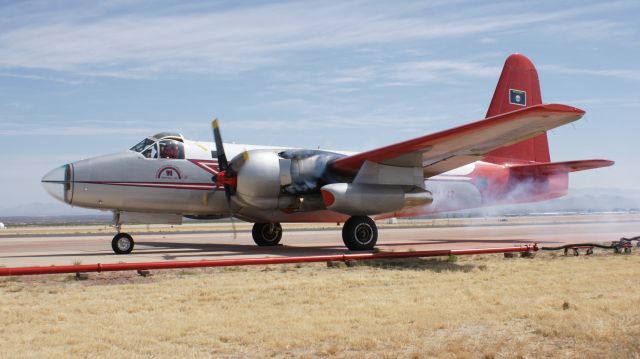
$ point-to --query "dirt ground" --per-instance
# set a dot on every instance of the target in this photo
(478, 307)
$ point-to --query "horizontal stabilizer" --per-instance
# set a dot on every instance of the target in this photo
(560, 167)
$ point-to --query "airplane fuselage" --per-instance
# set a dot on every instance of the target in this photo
(130, 182)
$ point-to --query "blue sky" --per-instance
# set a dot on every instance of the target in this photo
(79, 79)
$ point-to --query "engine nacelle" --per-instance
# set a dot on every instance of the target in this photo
(259, 180)
(370, 199)
(272, 180)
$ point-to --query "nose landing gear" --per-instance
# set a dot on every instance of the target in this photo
(122, 243)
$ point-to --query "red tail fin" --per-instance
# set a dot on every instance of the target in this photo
(517, 88)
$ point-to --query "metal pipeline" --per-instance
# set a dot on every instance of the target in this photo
(110, 267)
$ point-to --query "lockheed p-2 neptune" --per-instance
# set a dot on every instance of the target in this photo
(501, 159)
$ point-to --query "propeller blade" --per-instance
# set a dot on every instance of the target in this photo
(236, 163)
(206, 195)
(222, 159)
(233, 228)
(227, 192)
(217, 137)
(223, 167)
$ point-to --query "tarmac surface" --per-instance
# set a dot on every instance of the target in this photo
(26, 248)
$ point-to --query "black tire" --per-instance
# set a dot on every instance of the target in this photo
(360, 233)
(266, 234)
(122, 243)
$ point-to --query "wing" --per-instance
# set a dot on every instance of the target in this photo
(446, 150)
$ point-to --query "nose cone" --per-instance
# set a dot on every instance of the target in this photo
(58, 183)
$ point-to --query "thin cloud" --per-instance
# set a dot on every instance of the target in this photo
(395, 74)
(25, 131)
(628, 74)
(427, 71)
(236, 39)
(42, 78)
(615, 102)
(592, 29)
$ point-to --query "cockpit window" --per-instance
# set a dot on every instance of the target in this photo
(165, 148)
(171, 149)
(151, 151)
(142, 145)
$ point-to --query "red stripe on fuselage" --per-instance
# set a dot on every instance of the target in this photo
(172, 185)
(210, 166)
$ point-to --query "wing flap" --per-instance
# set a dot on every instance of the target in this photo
(449, 149)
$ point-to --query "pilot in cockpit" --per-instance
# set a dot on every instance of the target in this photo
(169, 149)
(164, 148)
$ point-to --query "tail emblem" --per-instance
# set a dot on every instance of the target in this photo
(518, 97)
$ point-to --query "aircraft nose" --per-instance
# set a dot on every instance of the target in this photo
(58, 183)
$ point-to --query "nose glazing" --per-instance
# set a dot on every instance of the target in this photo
(59, 183)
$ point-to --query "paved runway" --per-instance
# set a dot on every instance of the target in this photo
(86, 249)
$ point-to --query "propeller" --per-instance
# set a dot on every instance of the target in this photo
(227, 172)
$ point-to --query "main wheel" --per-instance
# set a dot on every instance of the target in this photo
(122, 243)
(267, 234)
(360, 233)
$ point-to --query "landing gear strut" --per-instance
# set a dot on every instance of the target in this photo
(360, 233)
(122, 243)
(267, 234)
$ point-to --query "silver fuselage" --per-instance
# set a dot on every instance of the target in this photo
(165, 189)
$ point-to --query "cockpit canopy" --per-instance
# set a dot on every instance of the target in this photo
(161, 145)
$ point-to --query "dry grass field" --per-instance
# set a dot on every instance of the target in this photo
(479, 307)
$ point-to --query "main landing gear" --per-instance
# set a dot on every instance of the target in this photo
(360, 233)
(267, 234)
(122, 243)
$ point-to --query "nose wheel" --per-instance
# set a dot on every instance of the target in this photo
(122, 243)
(360, 233)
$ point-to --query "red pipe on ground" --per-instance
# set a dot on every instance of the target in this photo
(83, 268)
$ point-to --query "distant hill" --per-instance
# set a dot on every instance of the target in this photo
(51, 213)
(45, 209)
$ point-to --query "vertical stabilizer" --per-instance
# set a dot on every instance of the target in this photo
(518, 87)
